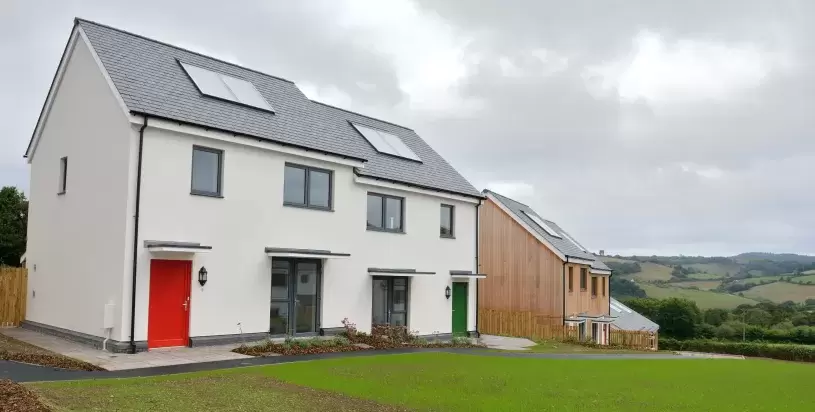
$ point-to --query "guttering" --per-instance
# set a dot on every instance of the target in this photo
(136, 239)
(259, 138)
(419, 186)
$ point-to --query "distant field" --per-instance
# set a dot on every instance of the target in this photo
(651, 272)
(701, 284)
(781, 292)
(804, 279)
(705, 276)
(810, 272)
(613, 259)
(756, 280)
(704, 299)
(721, 269)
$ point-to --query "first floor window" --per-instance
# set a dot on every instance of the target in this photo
(446, 229)
(594, 286)
(385, 213)
(583, 279)
(207, 171)
(604, 286)
(571, 279)
(307, 186)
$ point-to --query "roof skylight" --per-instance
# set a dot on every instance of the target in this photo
(385, 142)
(225, 87)
(538, 221)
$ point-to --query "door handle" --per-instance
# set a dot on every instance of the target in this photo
(186, 303)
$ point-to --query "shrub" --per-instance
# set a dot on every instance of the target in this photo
(800, 353)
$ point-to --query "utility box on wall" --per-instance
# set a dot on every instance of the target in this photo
(107, 322)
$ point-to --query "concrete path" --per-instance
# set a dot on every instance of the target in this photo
(122, 361)
(506, 343)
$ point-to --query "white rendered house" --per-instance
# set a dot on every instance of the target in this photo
(178, 200)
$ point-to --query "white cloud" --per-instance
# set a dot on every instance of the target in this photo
(685, 70)
(427, 52)
(515, 190)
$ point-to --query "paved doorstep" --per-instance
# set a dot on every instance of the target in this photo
(123, 361)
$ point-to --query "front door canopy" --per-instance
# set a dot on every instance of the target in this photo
(175, 247)
(397, 272)
(466, 274)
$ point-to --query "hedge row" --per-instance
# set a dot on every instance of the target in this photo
(800, 353)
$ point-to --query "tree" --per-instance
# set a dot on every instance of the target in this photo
(715, 317)
(677, 317)
(13, 225)
(624, 288)
(758, 317)
(648, 307)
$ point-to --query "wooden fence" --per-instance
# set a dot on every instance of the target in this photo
(524, 324)
(540, 327)
(634, 339)
(13, 293)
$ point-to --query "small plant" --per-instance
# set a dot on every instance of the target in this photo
(339, 341)
(460, 341)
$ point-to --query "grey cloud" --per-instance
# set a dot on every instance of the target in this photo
(608, 171)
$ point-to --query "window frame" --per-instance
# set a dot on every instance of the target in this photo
(594, 286)
(220, 180)
(307, 186)
(604, 286)
(384, 198)
(452, 209)
(571, 279)
(63, 175)
(583, 279)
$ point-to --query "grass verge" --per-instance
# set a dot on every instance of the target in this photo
(454, 382)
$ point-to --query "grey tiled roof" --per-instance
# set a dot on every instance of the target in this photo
(629, 319)
(147, 75)
(562, 244)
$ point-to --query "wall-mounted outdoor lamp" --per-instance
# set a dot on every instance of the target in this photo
(447, 292)
(202, 276)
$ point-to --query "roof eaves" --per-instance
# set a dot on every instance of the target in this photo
(234, 133)
(435, 189)
(78, 20)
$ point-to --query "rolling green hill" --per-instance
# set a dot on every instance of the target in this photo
(708, 280)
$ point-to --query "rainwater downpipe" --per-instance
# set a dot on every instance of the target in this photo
(477, 265)
(136, 240)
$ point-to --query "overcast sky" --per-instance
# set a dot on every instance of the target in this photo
(649, 127)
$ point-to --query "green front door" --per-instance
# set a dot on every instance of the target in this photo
(459, 308)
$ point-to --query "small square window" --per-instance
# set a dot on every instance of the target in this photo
(306, 186)
(447, 217)
(385, 213)
(207, 171)
(63, 175)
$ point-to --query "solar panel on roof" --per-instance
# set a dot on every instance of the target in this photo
(226, 87)
(548, 229)
(385, 142)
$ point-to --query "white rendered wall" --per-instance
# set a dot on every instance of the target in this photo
(76, 241)
(251, 216)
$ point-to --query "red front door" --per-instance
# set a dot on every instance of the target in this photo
(168, 319)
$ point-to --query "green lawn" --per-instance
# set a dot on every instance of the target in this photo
(561, 347)
(719, 269)
(703, 298)
(448, 382)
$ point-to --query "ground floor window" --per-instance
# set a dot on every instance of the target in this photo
(390, 301)
(296, 294)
